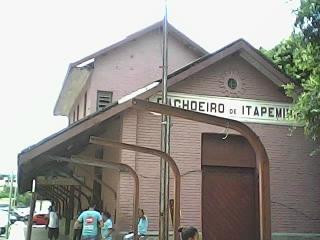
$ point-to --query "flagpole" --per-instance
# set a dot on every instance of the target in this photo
(165, 139)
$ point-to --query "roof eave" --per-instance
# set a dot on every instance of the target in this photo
(56, 111)
(66, 99)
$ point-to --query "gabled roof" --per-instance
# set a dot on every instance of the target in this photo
(240, 47)
(72, 86)
(171, 29)
(80, 130)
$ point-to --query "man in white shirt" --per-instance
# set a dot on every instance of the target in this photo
(53, 224)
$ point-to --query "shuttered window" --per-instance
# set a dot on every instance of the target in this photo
(104, 99)
(77, 113)
(85, 105)
(74, 117)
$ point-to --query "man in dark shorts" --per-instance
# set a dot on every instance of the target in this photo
(77, 229)
(90, 220)
(53, 224)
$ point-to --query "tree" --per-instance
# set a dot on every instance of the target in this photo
(24, 199)
(299, 57)
(308, 20)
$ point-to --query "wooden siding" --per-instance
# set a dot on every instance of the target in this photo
(294, 193)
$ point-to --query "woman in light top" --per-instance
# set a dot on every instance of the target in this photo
(107, 228)
(142, 227)
(143, 224)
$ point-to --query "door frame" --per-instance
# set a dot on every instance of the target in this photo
(225, 159)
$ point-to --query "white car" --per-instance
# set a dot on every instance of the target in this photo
(23, 211)
(4, 220)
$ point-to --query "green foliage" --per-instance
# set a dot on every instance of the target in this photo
(294, 57)
(23, 199)
(308, 20)
(5, 192)
(299, 57)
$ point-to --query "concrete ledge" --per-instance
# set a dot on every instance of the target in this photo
(295, 236)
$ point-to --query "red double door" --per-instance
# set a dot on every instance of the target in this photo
(229, 189)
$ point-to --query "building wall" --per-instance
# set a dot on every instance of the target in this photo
(110, 176)
(87, 172)
(134, 65)
(213, 81)
(130, 67)
(294, 174)
(126, 186)
(292, 169)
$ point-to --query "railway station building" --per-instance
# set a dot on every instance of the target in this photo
(221, 189)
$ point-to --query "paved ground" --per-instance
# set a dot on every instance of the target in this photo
(18, 232)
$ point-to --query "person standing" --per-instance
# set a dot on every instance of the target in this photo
(107, 228)
(53, 224)
(90, 221)
(142, 227)
(77, 229)
(143, 224)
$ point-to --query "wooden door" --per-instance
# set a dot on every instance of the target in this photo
(229, 190)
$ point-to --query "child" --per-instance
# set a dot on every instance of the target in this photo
(107, 229)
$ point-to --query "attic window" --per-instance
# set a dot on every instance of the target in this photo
(104, 99)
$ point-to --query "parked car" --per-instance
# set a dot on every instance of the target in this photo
(4, 207)
(15, 216)
(40, 219)
(4, 220)
(18, 216)
(23, 213)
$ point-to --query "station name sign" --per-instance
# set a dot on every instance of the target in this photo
(244, 110)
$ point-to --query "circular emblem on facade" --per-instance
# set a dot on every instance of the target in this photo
(233, 83)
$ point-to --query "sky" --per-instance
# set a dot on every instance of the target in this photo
(39, 38)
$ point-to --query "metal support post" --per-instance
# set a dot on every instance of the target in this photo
(15, 194)
(32, 207)
(9, 210)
